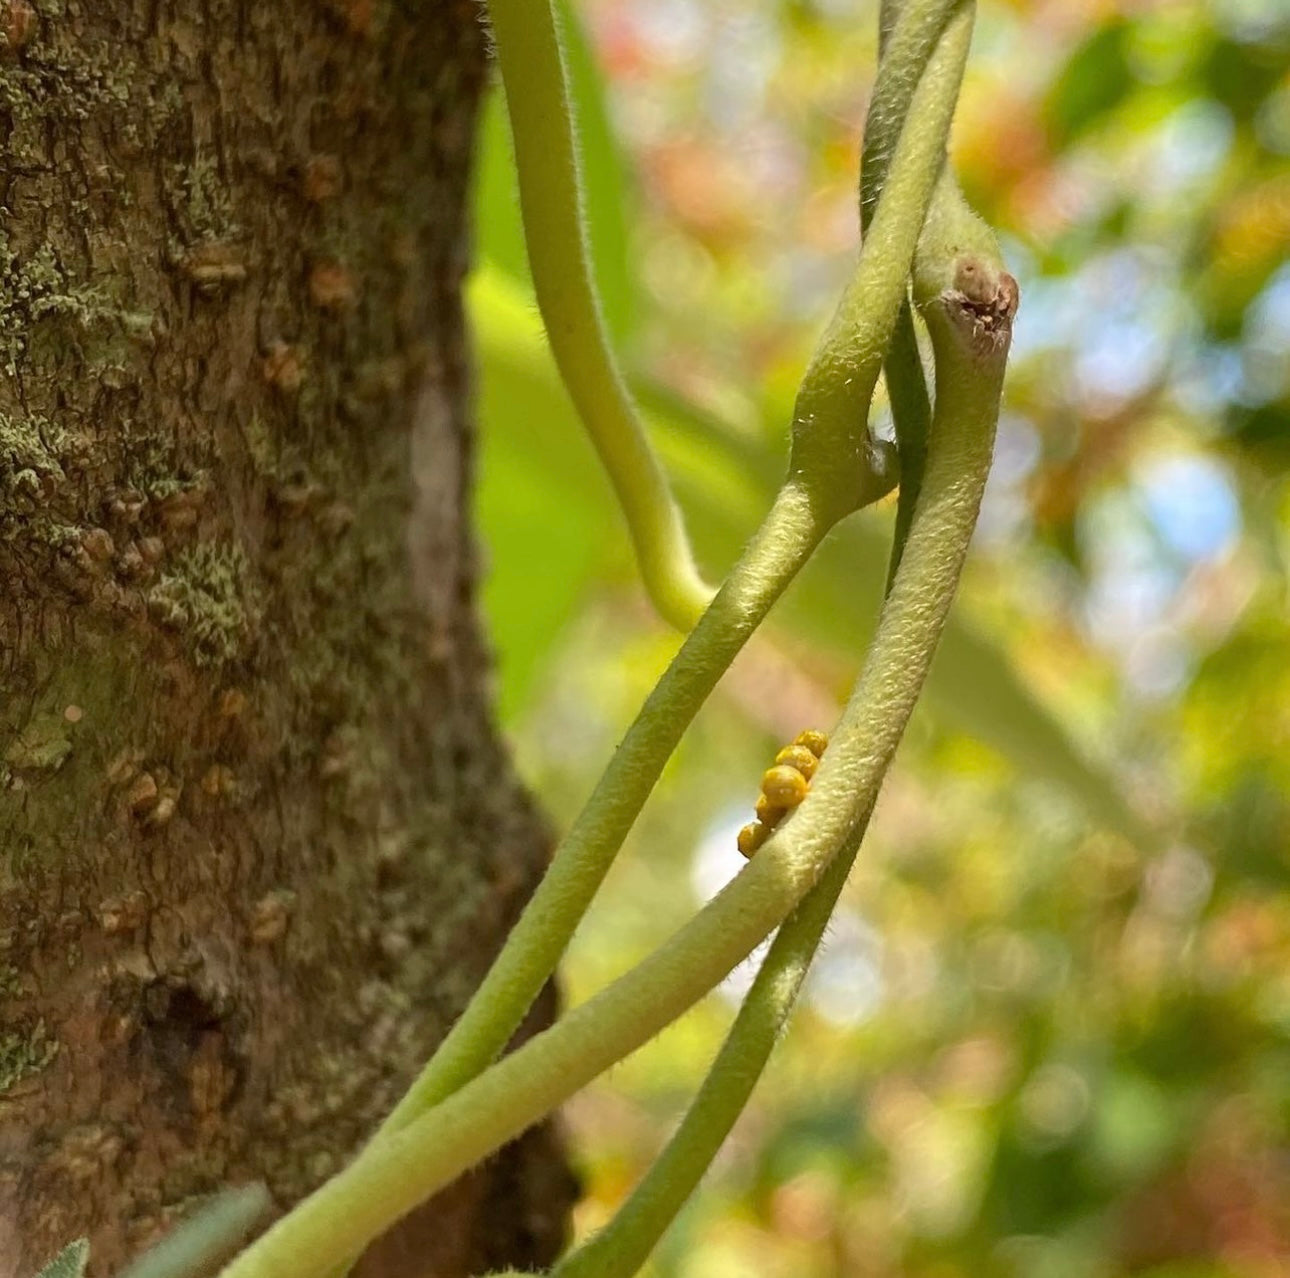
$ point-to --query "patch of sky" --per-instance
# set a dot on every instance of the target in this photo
(741, 60)
(1141, 543)
(1005, 510)
(1265, 355)
(845, 986)
(1131, 583)
(1192, 503)
(1208, 378)
(1189, 147)
(1120, 315)
(1124, 317)
(1044, 318)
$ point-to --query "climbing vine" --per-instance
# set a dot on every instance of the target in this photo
(920, 241)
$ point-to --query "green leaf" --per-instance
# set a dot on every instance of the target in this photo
(207, 1235)
(70, 1262)
(541, 496)
(498, 228)
(1095, 80)
(607, 195)
(1242, 76)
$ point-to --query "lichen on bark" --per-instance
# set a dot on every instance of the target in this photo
(258, 838)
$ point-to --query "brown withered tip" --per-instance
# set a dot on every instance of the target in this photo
(987, 299)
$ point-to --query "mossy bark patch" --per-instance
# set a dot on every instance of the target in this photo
(258, 838)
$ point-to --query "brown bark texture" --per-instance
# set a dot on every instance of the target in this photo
(258, 838)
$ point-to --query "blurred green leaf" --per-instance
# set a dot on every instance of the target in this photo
(1241, 76)
(548, 520)
(1095, 80)
(972, 684)
(541, 487)
(1136, 1127)
(1264, 430)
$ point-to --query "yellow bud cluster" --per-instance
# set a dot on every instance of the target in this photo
(783, 787)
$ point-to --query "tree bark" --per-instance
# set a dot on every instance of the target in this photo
(258, 838)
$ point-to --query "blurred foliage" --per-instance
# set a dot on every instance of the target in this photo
(1050, 1034)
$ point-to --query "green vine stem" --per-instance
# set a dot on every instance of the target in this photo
(207, 1236)
(835, 468)
(986, 300)
(401, 1169)
(790, 532)
(793, 527)
(623, 1245)
(903, 48)
(621, 1248)
(394, 1174)
(540, 107)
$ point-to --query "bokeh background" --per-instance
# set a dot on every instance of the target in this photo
(1050, 1034)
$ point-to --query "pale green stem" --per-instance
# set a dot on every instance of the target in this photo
(621, 1248)
(393, 1175)
(790, 532)
(832, 472)
(546, 156)
(902, 50)
(962, 352)
(207, 1236)
(838, 387)
(909, 32)
(824, 487)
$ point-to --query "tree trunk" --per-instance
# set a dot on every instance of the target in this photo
(258, 839)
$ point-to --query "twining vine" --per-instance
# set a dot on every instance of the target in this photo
(917, 231)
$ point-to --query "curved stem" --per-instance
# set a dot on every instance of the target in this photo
(830, 455)
(546, 158)
(621, 1248)
(969, 352)
(833, 471)
(790, 532)
(830, 431)
(396, 1173)
(907, 32)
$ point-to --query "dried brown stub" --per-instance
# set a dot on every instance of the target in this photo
(783, 787)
